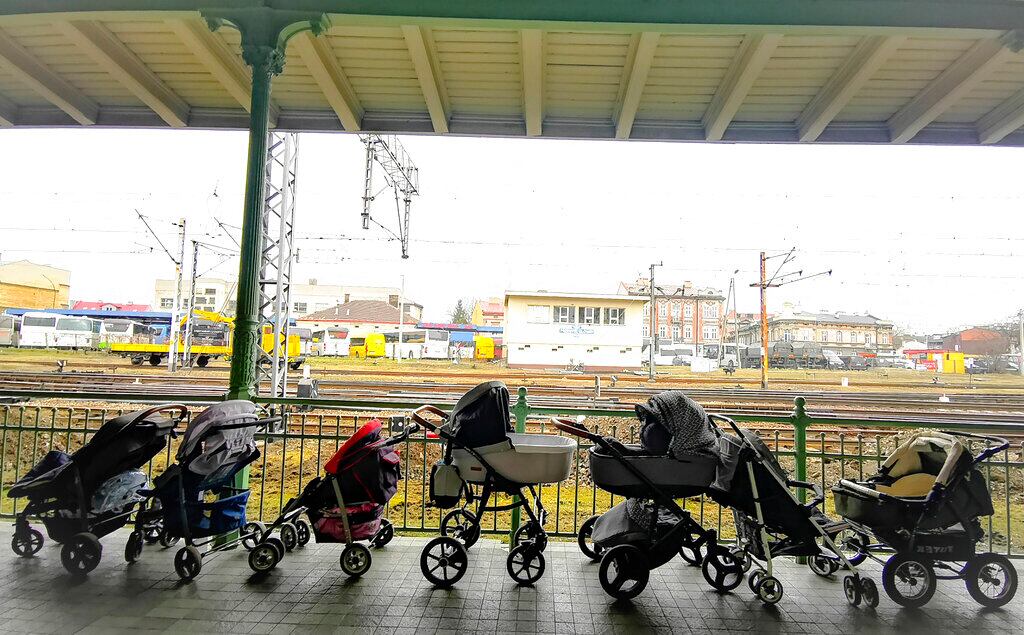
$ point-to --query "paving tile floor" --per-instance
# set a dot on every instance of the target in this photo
(308, 593)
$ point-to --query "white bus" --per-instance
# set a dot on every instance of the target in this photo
(124, 332)
(419, 344)
(7, 324)
(49, 330)
(331, 342)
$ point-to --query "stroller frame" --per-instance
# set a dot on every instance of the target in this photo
(631, 565)
(900, 546)
(81, 553)
(460, 528)
(355, 557)
(188, 561)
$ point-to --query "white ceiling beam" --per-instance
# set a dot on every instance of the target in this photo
(959, 78)
(647, 44)
(429, 76)
(318, 57)
(8, 112)
(46, 83)
(869, 55)
(532, 45)
(1004, 119)
(223, 64)
(753, 54)
(111, 54)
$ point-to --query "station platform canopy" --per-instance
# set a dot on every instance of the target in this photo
(855, 71)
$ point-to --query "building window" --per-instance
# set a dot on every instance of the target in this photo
(711, 311)
(853, 337)
(300, 307)
(787, 336)
(710, 332)
(884, 338)
(590, 315)
(563, 315)
(867, 338)
(676, 308)
(675, 332)
(662, 331)
(647, 331)
(615, 316)
(688, 310)
(839, 337)
(538, 314)
(647, 309)
(209, 291)
(662, 309)
(687, 332)
(166, 303)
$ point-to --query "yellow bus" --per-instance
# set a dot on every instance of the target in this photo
(373, 345)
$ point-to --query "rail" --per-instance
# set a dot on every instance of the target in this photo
(814, 446)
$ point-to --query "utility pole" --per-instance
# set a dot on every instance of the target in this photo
(764, 325)
(186, 357)
(401, 320)
(172, 358)
(654, 335)
(1020, 344)
(736, 321)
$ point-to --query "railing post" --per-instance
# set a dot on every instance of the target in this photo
(800, 423)
(520, 411)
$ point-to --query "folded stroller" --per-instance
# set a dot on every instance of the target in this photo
(196, 500)
(924, 505)
(346, 504)
(484, 457)
(677, 458)
(771, 521)
(84, 496)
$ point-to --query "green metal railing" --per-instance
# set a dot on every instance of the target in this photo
(819, 448)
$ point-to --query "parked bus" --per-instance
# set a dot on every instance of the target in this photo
(7, 330)
(49, 330)
(331, 342)
(373, 345)
(123, 332)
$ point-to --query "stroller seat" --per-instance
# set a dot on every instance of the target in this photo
(679, 476)
(909, 486)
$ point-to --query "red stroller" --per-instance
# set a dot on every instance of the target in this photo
(347, 504)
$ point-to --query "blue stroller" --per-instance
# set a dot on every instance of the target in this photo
(197, 502)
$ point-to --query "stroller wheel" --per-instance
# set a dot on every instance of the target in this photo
(722, 570)
(531, 532)
(133, 548)
(769, 590)
(444, 561)
(355, 560)
(27, 542)
(853, 544)
(852, 590)
(589, 548)
(869, 592)
(742, 557)
(384, 534)
(525, 564)
(167, 540)
(991, 579)
(908, 580)
(624, 572)
(252, 535)
(822, 565)
(754, 580)
(461, 524)
(81, 553)
(289, 536)
(263, 557)
(188, 562)
(692, 550)
(303, 531)
(151, 534)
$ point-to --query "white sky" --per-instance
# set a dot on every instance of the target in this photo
(929, 237)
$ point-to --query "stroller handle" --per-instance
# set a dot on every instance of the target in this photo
(406, 432)
(574, 428)
(724, 419)
(417, 416)
(182, 410)
(1000, 444)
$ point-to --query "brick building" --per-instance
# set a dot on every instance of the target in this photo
(684, 314)
(844, 333)
(27, 285)
(977, 341)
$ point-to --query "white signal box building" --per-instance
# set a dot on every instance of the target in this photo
(559, 330)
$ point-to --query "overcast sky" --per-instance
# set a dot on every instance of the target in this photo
(929, 237)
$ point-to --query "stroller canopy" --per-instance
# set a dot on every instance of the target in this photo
(677, 425)
(481, 417)
(367, 434)
(366, 467)
(219, 436)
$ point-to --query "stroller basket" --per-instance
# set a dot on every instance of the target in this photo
(209, 519)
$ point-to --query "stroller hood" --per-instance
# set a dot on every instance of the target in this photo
(219, 436)
(481, 417)
(677, 425)
(364, 436)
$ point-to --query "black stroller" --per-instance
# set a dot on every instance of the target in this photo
(196, 498)
(924, 505)
(346, 504)
(676, 459)
(84, 496)
(771, 521)
(484, 457)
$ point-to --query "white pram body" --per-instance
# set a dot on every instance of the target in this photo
(521, 458)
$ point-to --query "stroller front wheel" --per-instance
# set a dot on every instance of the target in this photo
(584, 538)
(355, 560)
(531, 532)
(188, 562)
(908, 580)
(721, 569)
(692, 550)
(263, 557)
(167, 540)
(444, 561)
(851, 589)
(822, 565)
(624, 572)
(81, 554)
(383, 535)
(133, 548)
(27, 542)
(991, 579)
(289, 536)
(769, 590)
(461, 524)
(252, 533)
(525, 564)
(303, 532)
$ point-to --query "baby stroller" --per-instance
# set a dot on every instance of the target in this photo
(484, 457)
(924, 505)
(346, 504)
(771, 521)
(84, 496)
(677, 458)
(196, 499)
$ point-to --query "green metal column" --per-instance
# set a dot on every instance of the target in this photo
(521, 410)
(266, 61)
(800, 424)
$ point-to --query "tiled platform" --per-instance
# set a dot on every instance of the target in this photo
(308, 593)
